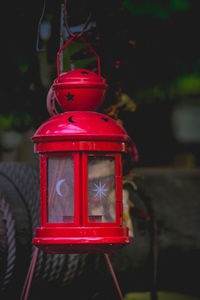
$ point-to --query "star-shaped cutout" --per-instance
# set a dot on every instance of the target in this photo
(106, 120)
(84, 72)
(69, 97)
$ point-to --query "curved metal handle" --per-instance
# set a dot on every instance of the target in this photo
(87, 44)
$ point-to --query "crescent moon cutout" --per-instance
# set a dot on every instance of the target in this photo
(70, 120)
(58, 187)
(84, 72)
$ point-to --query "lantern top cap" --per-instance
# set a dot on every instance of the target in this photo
(79, 89)
(79, 78)
(80, 125)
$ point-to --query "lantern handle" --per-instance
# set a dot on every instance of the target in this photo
(86, 43)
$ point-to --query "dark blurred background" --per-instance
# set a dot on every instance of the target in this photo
(150, 57)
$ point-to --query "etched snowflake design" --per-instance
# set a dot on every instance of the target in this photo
(100, 190)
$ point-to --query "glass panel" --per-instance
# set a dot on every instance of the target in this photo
(101, 189)
(60, 189)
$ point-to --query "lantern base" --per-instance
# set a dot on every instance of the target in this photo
(54, 243)
(65, 246)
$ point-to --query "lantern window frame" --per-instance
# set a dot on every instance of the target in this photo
(44, 189)
(80, 189)
(118, 190)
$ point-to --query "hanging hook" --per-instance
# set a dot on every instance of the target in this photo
(66, 20)
(87, 44)
(85, 25)
(38, 30)
(67, 25)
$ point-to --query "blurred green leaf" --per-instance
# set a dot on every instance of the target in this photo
(22, 65)
(188, 84)
(15, 120)
(179, 5)
(162, 295)
(73, 48)
(5, 122)
(157, 10)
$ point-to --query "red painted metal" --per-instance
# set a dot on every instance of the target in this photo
(58, 145)
(113, 275)
(79, 89)
(80, 236)
(29, 277)
(93, 134)
(81, 126)
(118, 181)
(81, 136)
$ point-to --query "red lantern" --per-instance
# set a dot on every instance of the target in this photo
(81, 171)
(81, 183)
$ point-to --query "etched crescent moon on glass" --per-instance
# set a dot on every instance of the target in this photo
(58, 185)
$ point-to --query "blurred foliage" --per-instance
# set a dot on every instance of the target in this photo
(19, 121)
(76, 53)
(159, 10)
(188, 84)
(162, 295)
(22, 65)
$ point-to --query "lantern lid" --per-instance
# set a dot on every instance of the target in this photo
(79, 78)
(80, 125)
